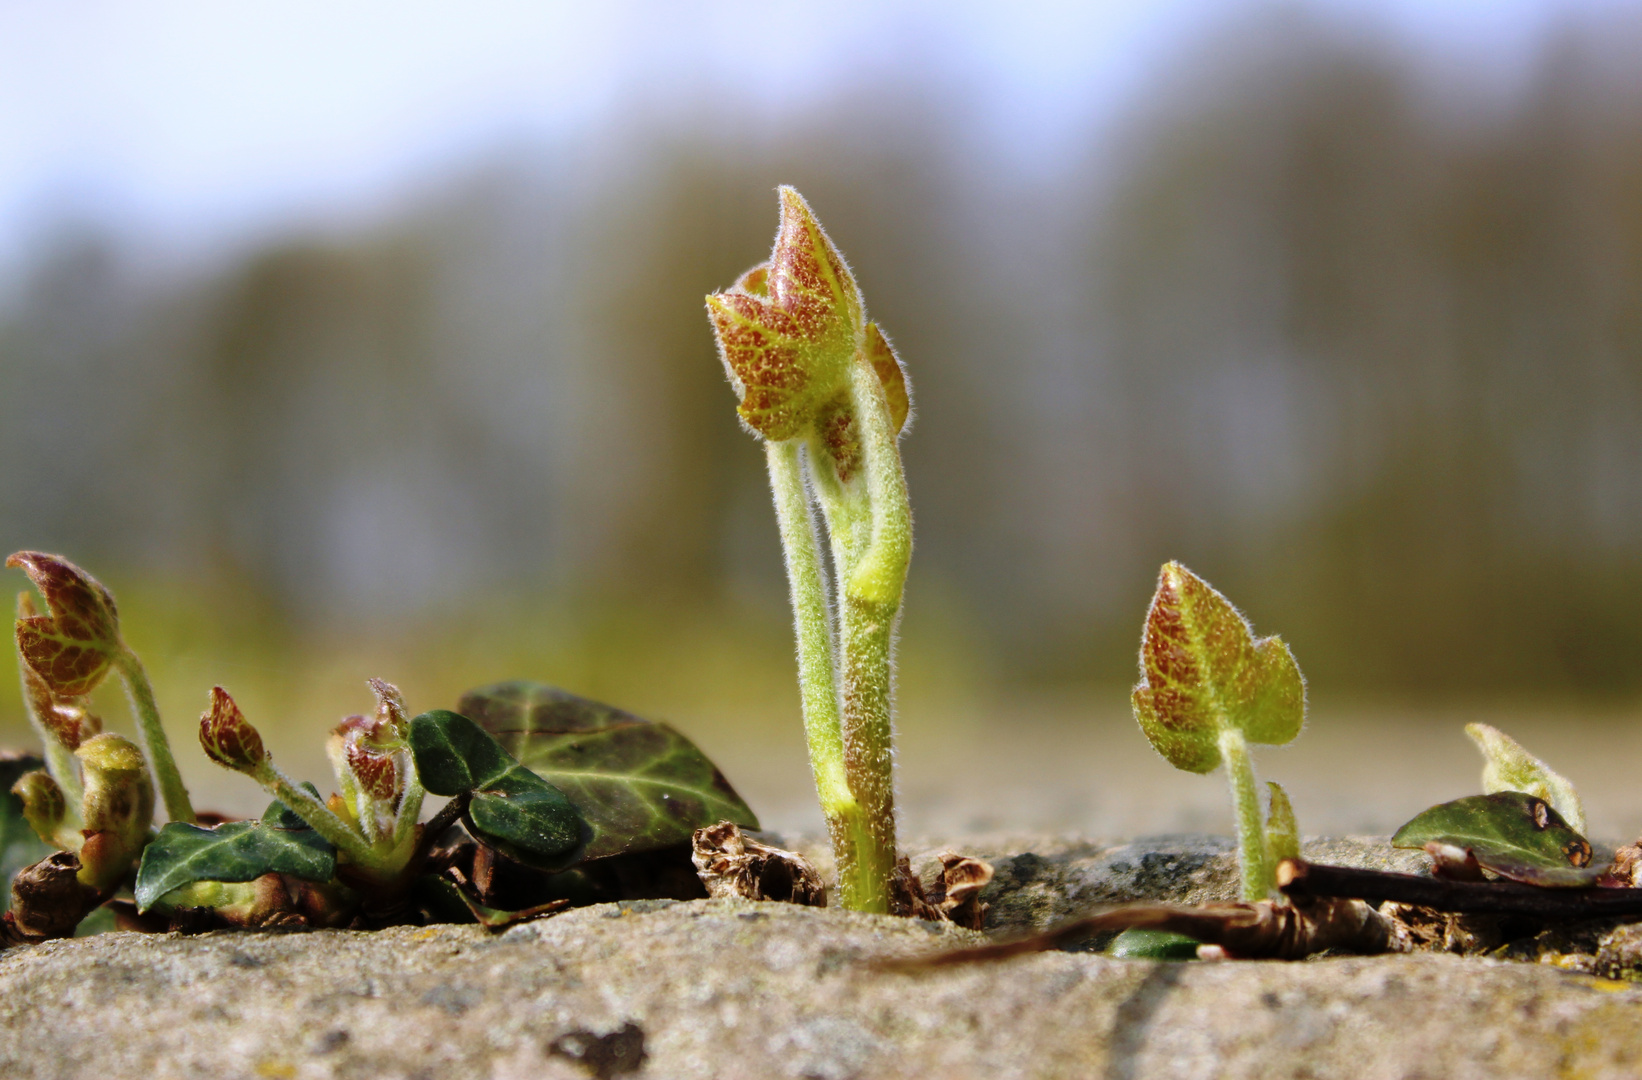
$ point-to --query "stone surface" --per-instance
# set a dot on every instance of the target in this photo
(729, 989)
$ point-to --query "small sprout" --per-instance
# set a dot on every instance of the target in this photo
(823, 387)
(1207, 689)
(118, 808)
(1509, 767)
(228, 738)
(1514, 834)
(65, 654)
(1282, 833)
(46, 809)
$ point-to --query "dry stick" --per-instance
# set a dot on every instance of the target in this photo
(1263, 930)
(1299, 879)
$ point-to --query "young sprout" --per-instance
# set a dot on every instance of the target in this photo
(373, 823)
(1207, 689)
(824, 389)
(1509, 767)
(65, 654)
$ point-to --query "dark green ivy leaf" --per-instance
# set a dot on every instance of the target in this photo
(640, 784)
(510, 807)
(19, 846)
(279, 843)
(1516, 835)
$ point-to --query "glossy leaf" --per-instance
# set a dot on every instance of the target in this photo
(19, 846)
(278, 843)
(1509, 767)
(71, 647)
(510, 807)
(1137, 944)
(1514, 834)
(641, 785)
(1202, 669)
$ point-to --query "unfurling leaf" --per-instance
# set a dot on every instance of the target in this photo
(1202, 669)
(42, 803)
(227, 737)
(1282, 832)
(72, 646)
(640, 785)
(20, 843)
(1511, 768)
(788, 332)
(66, 719)
(118, 808)
(509, 807)
(1514, 834)
(279, 843)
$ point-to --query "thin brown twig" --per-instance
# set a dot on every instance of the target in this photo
(1299, 879)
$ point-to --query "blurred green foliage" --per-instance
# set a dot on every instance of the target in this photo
(1370, 360)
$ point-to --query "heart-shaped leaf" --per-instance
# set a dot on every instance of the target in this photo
(510, 807)
(640, 784)
(279, 843)
(19, 846)
(1202, 670)
(1514, 834)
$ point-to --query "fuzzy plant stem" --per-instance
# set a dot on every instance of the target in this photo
(410, 808)
(156, 748)
(869, 606)
(60, 760)
(1251, 834)
(817, 682)
(319, 817)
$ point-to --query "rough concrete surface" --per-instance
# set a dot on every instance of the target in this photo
(727, 989)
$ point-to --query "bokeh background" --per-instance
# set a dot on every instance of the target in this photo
(369, 340)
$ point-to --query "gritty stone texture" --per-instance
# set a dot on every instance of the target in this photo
(730, 989)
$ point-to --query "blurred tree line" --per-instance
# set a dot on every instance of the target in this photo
(1369, 360)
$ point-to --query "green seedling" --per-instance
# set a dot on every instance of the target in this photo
(821, 385)
(1207, 689)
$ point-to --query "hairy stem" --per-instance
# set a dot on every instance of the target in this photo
(319, 817)
(410, 807)
(817, 685)
(1251, 833)
(868, 632)
(156, 747)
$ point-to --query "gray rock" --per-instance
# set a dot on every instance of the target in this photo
(729, 989)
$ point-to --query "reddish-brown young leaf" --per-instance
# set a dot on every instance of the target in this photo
(893, 376)
(377, 773)
(228, 738)
(72, 646)
(1201, 669)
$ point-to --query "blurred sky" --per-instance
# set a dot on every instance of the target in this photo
(191, 126)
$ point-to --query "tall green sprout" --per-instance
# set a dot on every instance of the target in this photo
(824, 389)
